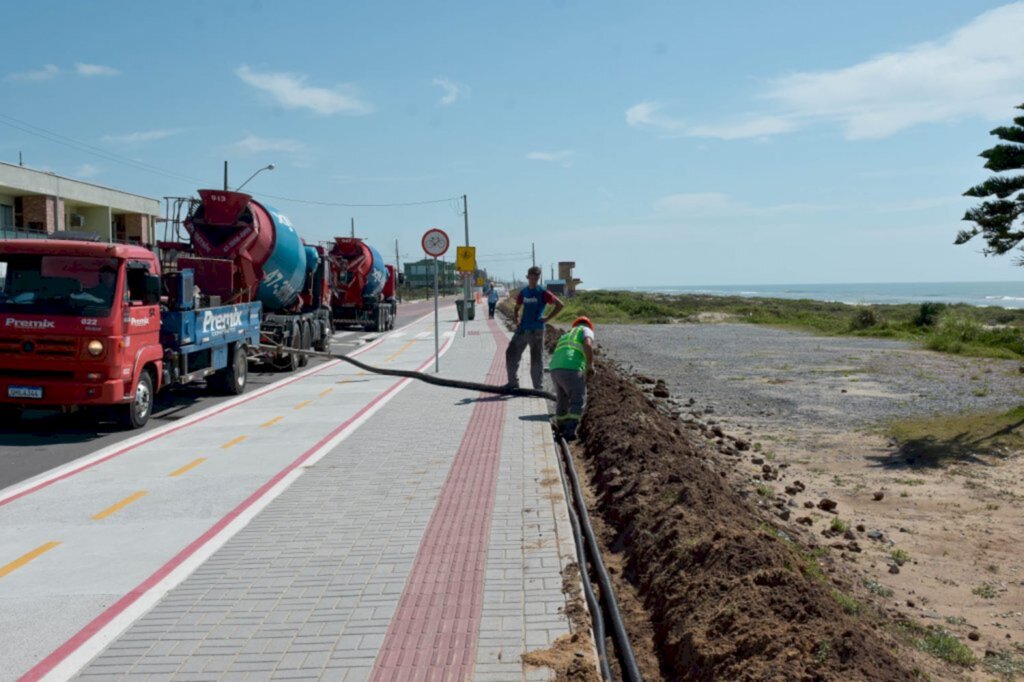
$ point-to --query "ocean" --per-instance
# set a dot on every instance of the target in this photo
(1001, 294)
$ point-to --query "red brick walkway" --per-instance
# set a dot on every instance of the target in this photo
(433, 633)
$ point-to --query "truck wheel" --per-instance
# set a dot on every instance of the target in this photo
(135, 414)
(304, 343)
(323, 342)
(289, 362)
(232, 379)
(382, 321)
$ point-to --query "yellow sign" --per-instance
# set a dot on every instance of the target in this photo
(465, 261)
(479, 281)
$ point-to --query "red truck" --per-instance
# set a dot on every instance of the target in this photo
(85, 324)
(362, 286)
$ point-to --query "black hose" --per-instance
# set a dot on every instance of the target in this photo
(631, 673)
(595, 609)
(428, 378)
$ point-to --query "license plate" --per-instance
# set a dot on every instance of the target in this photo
(35, 392)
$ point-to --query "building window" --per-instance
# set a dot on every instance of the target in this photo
(6, 217)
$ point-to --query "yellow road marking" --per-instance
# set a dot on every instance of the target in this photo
(323, 393)
(120, 505)
(302, 404)
(236, 441)
(191, 465)
(24, 559)
(400, 351)
(271, 422)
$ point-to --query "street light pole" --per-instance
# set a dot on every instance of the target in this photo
(269, 166)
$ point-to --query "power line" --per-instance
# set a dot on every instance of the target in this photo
(314, 202)
(57, 138)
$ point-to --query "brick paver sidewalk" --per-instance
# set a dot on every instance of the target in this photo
(429, 544)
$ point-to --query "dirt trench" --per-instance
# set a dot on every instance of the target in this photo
(725, 594)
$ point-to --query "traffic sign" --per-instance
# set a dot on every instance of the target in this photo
(465, 259)
(435, 242)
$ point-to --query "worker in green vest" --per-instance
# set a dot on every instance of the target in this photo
(571, 365)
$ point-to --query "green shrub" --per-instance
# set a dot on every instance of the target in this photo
(928, 314)
(865, 318)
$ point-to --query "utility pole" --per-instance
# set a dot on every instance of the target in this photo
(225, 176)
(20, 162)
(533, 253)
(353, 228)
(398, 269)
(552, 271)
(466, 276)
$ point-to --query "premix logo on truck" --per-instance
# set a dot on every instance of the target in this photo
(221, 321)
(29, 324)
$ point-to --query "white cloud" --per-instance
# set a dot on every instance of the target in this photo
(254, 144)
(46, 73)
(86, 170)
(89, 70)
(452, 91)
(291, 92)
(976, 71)
(142, 136)
(563, 157)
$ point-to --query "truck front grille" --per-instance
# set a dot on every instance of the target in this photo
(66, 347)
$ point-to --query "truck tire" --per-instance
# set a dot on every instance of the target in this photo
(232, 379)
(135, 414)
(305, 337)
(382, 320)
(289, 362)
(323, 341)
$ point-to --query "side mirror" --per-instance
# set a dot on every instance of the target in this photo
(152, 296)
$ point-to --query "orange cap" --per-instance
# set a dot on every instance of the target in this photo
(583, 320)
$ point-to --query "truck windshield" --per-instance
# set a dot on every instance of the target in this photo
(57, 285)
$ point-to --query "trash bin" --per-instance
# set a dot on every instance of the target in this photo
(459, 305)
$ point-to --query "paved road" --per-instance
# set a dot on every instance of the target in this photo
(45, 439)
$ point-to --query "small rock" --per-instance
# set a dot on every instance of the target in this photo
(973, 636)
(843, 391)
(853, 546)
(709, 410)
(797, 484)
(849, 535)
(805, 520)
(792, 490)
(894, 569)
(878, 495)
(828, 505)
(910, 603)
(783, 514)
(742, 444)
(646, 379)
(860, 527)
(660, 391)
(757, 460)
(904, 530)
(808, 505)
(876, 535)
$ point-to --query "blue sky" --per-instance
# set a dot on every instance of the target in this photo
(654, 143)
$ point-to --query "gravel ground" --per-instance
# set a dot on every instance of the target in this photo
(764, 374)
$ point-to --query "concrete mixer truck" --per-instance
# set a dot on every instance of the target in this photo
(362, 286)
(244, 250)
(85, 323)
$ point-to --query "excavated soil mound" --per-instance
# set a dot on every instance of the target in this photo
(729, 597)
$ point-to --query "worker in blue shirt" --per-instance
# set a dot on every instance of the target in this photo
(532, 301)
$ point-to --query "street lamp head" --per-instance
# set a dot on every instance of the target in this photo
(269, 166)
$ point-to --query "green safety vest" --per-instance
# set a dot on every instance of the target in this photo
(569, 352)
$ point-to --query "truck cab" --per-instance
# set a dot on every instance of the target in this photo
(79, 325)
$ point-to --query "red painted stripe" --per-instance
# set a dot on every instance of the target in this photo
(433, 633)
(214, 413)
(97, 624)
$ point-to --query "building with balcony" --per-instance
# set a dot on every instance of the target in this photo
(36, 203)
